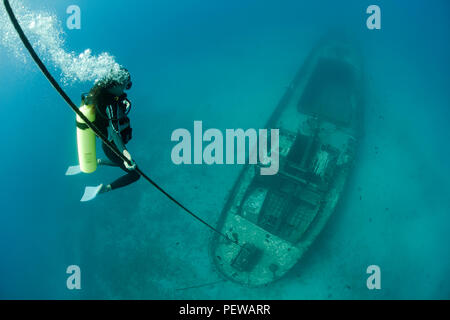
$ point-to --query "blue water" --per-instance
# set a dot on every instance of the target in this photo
(226, 63)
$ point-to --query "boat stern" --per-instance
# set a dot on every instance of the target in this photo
(260, 257)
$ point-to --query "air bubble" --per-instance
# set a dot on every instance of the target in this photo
(45, 33)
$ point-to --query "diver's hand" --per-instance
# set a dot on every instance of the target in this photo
(128, 156)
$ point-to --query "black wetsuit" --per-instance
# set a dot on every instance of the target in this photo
(129, 178)
(109, 114)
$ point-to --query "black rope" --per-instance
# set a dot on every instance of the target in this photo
(111, 146)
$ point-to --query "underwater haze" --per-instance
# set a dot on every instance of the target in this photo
(226, 63)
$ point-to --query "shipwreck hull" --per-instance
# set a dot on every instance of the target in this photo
(275, 219)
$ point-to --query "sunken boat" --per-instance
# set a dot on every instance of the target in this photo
(275, 219)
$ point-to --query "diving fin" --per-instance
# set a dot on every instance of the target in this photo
(73, 170)
(90, 193)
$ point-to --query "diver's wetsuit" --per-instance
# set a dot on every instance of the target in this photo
(110, 115)
(129, 178)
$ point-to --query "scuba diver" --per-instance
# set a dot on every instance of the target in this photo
(111, 118)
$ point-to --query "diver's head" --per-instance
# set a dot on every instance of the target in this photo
(110, 86)
(117, 84)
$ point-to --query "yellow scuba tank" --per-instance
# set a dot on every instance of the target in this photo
(86, 141)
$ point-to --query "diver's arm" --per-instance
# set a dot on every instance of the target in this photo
(120, 145)
(116, 138)
(114, 135)
(113, 127)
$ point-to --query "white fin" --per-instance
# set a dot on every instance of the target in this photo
(73, 171)
(90, 193)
